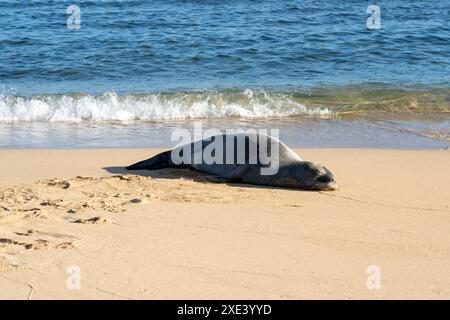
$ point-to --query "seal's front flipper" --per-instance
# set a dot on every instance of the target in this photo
(159, 161)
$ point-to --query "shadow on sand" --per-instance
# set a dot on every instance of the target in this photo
(171, 173)
(168, 173)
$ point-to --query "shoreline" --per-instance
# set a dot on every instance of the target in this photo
(173, 234)
(295, 132)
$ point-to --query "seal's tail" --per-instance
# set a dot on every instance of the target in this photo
(159, 161)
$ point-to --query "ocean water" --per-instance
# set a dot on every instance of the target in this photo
(132, 71)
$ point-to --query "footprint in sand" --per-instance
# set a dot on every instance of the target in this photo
(52, 203)
(138, 200)
(30, 232)
(36, 214)
(59, 183)
(94, 220)
(39, 244)
(65, 245)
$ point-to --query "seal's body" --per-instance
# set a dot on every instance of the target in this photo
(246, 158)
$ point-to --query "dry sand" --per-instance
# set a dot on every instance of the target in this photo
(174, 234)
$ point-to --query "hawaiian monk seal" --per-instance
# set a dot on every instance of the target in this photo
(243, 157)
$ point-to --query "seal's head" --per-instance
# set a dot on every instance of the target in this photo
(313, 176)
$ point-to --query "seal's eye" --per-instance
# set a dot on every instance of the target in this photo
(324, 179)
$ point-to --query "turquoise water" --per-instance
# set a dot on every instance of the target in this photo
(138, 62)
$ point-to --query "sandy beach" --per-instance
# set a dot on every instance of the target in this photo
(172, 234)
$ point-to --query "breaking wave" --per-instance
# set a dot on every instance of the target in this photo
(220, 104)
(159, 106)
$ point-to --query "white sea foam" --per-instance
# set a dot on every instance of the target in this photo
(159, 106)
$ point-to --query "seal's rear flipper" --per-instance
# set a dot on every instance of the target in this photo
(159, 161)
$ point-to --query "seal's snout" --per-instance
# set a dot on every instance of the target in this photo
(325, 182)
(324, 179)
(332, 186)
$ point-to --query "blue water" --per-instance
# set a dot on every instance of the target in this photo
(174, 60)
(150, 46)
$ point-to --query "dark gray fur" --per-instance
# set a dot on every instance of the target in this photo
(293, 171)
